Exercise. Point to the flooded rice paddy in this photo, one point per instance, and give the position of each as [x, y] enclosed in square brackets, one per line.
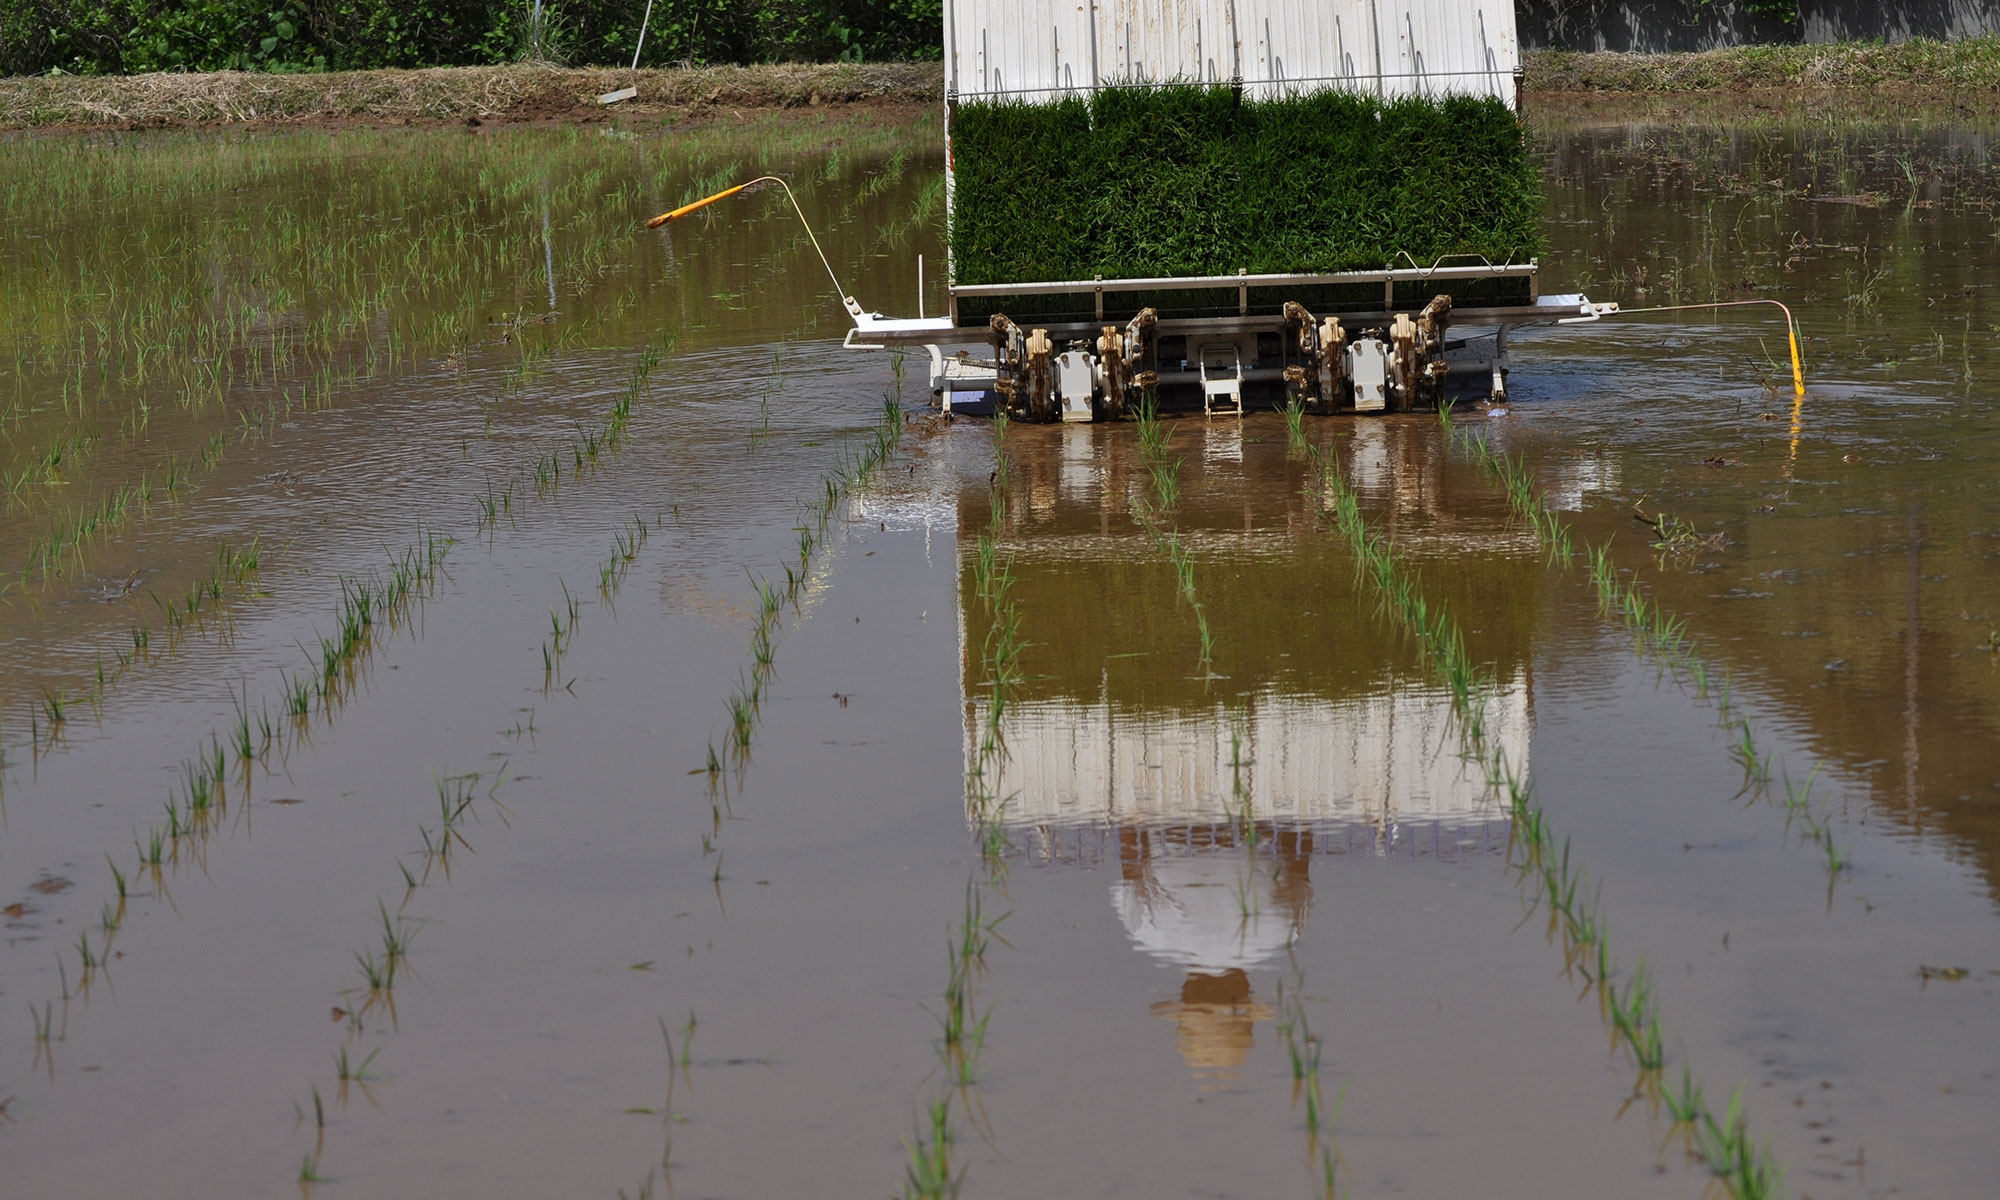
[497, 703]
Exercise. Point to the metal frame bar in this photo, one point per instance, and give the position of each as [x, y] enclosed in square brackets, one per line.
[1276, 82]
[1182, 283]
[1242, 282]
[968, 335]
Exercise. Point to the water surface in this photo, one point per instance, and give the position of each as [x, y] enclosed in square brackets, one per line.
[633, 970]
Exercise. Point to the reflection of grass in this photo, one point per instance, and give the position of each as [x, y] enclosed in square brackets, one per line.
[1661, 635]
[1627, 1002]
[929, 1175]
[1000, 659]
[1861, 297]
[201, 796]
[1519, 484]
[1303, 1049]
[1154, 438]
[309, 1173]
[930, 1171]
[351, 1072]
[746, 702]
[131, 372]
[62, 545]
[230, 569]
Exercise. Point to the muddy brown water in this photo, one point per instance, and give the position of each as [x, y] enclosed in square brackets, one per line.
[627, 960]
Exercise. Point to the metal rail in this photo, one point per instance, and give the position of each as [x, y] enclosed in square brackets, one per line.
[1242, 282]
[1181, 283]
[870, 333]
[1503, 84]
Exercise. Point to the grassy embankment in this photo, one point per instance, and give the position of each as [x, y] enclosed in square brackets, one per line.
[520, 92]
[1960, 68]
[1965, 69]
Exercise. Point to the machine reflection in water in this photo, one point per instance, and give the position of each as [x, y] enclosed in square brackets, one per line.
[1311, 742]
[1215, 819]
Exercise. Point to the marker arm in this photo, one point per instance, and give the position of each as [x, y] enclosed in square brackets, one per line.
[685, 209]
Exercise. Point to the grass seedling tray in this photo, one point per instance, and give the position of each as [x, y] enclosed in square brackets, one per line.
[1190, 180]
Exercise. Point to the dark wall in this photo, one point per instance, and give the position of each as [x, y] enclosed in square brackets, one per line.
[1653, 26]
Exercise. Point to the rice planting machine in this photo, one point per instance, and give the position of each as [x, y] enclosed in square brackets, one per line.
[1367, 341]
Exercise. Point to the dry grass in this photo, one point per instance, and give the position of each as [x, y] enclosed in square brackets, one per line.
[446, 94]
[1963, 68]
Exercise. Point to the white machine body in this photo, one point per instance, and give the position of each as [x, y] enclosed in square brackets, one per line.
[1222, 340]
[1368, 368]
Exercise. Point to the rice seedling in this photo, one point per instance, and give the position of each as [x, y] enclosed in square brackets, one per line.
[380, 973]
[265, 326]
[1685, 1103]
[962, 1029]
[1635, 1016]
[1303, 1051]
[645, 1189]
[1816, 828]
[929, 1174]
[1294, 413]
[741, 721]
[350, 1072]
[396, 934]
[1756, 767]
[1523, 497]
[309, 1172]
[297, 694]
[241, 737]
[64, 542]
[1724, 1144]
[455, 796]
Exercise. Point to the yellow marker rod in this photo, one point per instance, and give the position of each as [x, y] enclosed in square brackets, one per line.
[685, 209]
[1791, 327]
[1791, 335]
[1798, 372]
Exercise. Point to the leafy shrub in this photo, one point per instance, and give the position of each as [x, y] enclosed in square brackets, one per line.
[103, 37]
